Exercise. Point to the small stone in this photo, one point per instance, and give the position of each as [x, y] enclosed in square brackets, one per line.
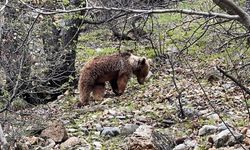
[190, 112]
[22, 146]
[141, 118]
[110, 131]
[190, 143]
[247, 141]
[214, 117]
[244, 130]
[71, 142]
[204, 112]
[72, 130]
[121, 117]
[32, 140]
[128, 129]
[144, 131]
[49, 144]
[207, 129]
[98, 49]
[168, 122]
[98, 127]
[181, 147]
[85, 131]
[98, 145]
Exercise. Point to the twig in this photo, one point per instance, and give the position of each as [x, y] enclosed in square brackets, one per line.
[182, 115]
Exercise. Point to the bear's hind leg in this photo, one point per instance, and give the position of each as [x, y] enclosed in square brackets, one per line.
[98, 91]
[114, 86]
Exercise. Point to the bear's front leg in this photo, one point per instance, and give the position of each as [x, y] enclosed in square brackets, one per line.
[122, 83]
[114, 86]
[98, 91]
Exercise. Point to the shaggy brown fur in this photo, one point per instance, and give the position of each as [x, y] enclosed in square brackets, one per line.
[116, 69]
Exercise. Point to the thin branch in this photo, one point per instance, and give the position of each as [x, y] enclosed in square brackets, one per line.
[247, 90]
[208, 99]
[6, 2]
[15, 89]
[128, 10]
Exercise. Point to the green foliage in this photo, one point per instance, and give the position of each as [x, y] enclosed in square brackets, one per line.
[19, 104]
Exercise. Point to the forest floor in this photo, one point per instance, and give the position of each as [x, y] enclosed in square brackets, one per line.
[155, 104]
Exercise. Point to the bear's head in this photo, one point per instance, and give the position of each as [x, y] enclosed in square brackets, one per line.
[141, 67]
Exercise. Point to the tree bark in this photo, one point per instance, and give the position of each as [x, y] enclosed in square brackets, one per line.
[231, 8]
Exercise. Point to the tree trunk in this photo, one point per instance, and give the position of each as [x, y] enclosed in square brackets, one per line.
[231, 8]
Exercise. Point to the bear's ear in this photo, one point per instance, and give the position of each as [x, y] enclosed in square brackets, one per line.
[142, 61]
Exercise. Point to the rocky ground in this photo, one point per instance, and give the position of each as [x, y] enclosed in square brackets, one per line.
[143, 115]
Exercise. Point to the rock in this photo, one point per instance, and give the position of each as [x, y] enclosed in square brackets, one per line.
[168, 122]
[244, 130]
[188, 144]
[207, 129]
[121, 117]
[49, 144]
[128, 129]
[71, 142]
[225, 138]
[145, 138]
[72, 130]
[141, 118]
[222, 126]
[214, 117]
[32, 140]
[56, 131]
[141, 139]
[144, 131]
[181, 147]
[110, 131]
[98, 127]
[97, 145]
[21, 146]
[247, 141]
[84, 145]
[85, 131]
[190, 112]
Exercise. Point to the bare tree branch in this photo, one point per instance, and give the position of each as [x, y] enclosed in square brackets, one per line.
[6, 2]
[128, 10]
[234, 80]
[231, 8]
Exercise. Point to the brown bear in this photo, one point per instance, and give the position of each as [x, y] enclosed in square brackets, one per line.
[116, 68]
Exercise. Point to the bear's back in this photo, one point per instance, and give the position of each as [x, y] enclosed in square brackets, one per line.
[102, 65]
